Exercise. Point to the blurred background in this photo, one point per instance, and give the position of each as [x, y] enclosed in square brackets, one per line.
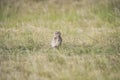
[28, 10]
[91, 39]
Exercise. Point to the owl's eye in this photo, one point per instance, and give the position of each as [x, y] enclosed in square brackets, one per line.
[55, 37]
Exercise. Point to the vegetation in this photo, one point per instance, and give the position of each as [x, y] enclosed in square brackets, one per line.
[91, 39]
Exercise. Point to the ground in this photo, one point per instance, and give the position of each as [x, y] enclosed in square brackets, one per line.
[90, 32]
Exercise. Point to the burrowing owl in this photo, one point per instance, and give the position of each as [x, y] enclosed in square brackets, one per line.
[57, 40]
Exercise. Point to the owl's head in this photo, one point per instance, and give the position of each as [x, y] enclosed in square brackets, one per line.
[57, 33]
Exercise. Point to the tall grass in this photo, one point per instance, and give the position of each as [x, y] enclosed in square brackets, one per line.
[91, 41]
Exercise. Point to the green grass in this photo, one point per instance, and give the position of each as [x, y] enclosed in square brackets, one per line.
[91, 40]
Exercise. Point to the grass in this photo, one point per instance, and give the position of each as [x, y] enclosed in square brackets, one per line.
[91, 41]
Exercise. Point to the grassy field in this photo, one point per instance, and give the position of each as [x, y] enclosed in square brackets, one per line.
[91, 39]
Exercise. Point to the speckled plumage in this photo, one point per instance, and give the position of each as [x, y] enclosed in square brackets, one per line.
[57, 40]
